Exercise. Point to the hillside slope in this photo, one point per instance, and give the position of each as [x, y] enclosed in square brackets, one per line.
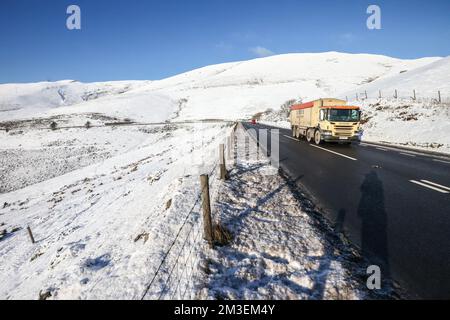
[239, 90]
[32, 99]
[423, 122]
[426, 80]
[225, 91]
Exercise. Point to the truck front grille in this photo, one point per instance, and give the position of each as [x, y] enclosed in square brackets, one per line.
[343, 134]
[343, 131]
[343, 127]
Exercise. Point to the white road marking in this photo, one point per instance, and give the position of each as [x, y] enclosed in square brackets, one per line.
[407, 154]
[404, 152]
[290, 137]
[441, 161]
[337, 153]
[428, 186]
[382, 149]
[436, 184]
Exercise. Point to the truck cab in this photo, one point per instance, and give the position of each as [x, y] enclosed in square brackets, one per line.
[339, 124]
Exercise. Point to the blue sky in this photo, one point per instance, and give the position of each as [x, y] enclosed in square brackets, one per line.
[149, 39]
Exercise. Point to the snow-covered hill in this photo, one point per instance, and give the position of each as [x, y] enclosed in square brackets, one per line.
[239, 90]
[225, 91]
[426, 80]
[33, 99]
[423, 122]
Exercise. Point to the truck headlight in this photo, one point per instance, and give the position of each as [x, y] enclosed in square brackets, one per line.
[326, 133]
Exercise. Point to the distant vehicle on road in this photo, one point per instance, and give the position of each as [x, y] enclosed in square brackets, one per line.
[253, 121]
[329, 120]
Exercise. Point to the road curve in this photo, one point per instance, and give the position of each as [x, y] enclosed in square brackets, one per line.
[393, 204]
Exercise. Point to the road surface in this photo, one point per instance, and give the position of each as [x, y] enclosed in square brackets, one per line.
[391, 203]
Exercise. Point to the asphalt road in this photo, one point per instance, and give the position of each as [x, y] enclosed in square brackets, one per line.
[391, 203]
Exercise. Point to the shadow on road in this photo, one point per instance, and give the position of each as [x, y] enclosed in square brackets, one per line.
[372, 212]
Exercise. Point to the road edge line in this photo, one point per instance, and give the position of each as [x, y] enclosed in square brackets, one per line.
[334, 152]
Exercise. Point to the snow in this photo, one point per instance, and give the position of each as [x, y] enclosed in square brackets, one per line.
[281, 248]
[421, 125]
[230, 91]
[239, 90]
[86, 221]
[21, 101]
[426, 80]
[96, 199]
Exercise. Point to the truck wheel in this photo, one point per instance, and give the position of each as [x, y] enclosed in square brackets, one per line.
[309, 135]
[317, 137]
[296, 133]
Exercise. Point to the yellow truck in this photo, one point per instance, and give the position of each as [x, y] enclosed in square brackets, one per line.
[329, 120]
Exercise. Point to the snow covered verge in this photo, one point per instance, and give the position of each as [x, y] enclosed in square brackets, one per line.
[281, 247]
[423, 124]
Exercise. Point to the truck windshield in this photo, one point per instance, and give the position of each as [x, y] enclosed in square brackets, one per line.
[349, 115]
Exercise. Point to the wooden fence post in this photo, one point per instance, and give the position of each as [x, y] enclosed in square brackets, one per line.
[365, 93]
[439, 95]
[206, 206]
[414, 95]
[30, 234]
[379, 94]
[223, 169]
[395, 94]
[229, 146]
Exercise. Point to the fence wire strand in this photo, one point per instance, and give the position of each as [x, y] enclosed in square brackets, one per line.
[177, 279]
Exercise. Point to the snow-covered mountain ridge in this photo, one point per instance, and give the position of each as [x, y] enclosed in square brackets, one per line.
[239, 90]
[227, 91]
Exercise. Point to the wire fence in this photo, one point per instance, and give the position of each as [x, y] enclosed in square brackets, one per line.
[175, 277]
[439, 97]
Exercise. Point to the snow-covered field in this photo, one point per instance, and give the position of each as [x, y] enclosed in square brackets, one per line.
[105, 202]
[101, 230]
